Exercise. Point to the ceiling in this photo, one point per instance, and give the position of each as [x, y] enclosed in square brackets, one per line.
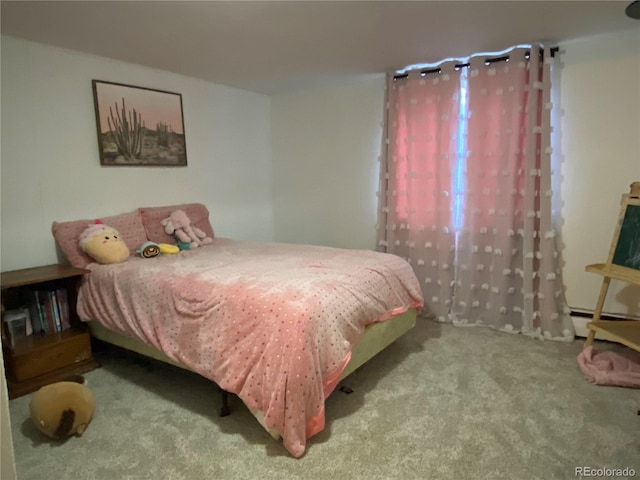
[272, 46]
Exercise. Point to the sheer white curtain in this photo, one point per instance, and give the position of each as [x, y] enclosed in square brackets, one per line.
[465, 192]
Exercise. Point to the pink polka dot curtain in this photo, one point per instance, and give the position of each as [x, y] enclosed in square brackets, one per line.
[465, 192]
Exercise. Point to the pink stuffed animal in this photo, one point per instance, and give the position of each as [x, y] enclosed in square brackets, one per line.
[179, 225]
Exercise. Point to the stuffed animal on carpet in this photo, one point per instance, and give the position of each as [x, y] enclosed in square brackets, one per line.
[179, 225]
[62, 409]
[103, 243]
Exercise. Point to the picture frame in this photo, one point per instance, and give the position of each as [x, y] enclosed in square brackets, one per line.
[139, 126]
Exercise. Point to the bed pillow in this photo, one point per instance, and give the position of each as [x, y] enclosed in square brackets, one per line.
[67, 235]
[151, 216]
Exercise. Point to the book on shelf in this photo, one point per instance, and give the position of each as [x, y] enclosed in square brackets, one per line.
[34, 313]
[49, 310]
[63, 300]
[53, 299]
[42, 316]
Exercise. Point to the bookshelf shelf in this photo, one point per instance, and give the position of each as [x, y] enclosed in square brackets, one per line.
[39, 359]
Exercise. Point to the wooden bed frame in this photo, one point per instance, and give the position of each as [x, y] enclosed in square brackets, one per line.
[376, 338]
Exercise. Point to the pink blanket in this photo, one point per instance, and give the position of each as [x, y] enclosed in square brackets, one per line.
[271, 323]
[610, 368]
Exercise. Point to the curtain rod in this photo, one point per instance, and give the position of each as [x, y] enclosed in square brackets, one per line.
[489, 61]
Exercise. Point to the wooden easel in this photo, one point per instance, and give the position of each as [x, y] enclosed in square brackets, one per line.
[621, 265]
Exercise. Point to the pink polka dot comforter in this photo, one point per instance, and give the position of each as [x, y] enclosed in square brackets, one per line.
[272, 323]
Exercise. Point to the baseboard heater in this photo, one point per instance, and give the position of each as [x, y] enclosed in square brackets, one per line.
[580, 319]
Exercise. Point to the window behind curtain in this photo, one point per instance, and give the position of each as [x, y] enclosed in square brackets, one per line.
[465, 192]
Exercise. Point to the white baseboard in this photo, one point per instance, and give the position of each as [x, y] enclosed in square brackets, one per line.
[580, 325]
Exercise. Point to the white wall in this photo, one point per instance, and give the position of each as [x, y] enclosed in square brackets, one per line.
[600, 102]
[50, 163]
[326, 144]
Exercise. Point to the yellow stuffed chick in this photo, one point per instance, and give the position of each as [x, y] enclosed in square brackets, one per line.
[104, 244]
[62, 409]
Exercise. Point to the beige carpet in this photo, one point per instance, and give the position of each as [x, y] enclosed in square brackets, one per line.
[440, 403]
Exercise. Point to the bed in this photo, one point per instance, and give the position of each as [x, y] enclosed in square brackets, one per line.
[278, 325]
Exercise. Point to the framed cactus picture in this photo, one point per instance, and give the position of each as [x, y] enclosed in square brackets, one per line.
[139, 126]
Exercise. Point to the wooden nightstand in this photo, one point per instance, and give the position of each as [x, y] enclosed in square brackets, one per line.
[39, 359]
